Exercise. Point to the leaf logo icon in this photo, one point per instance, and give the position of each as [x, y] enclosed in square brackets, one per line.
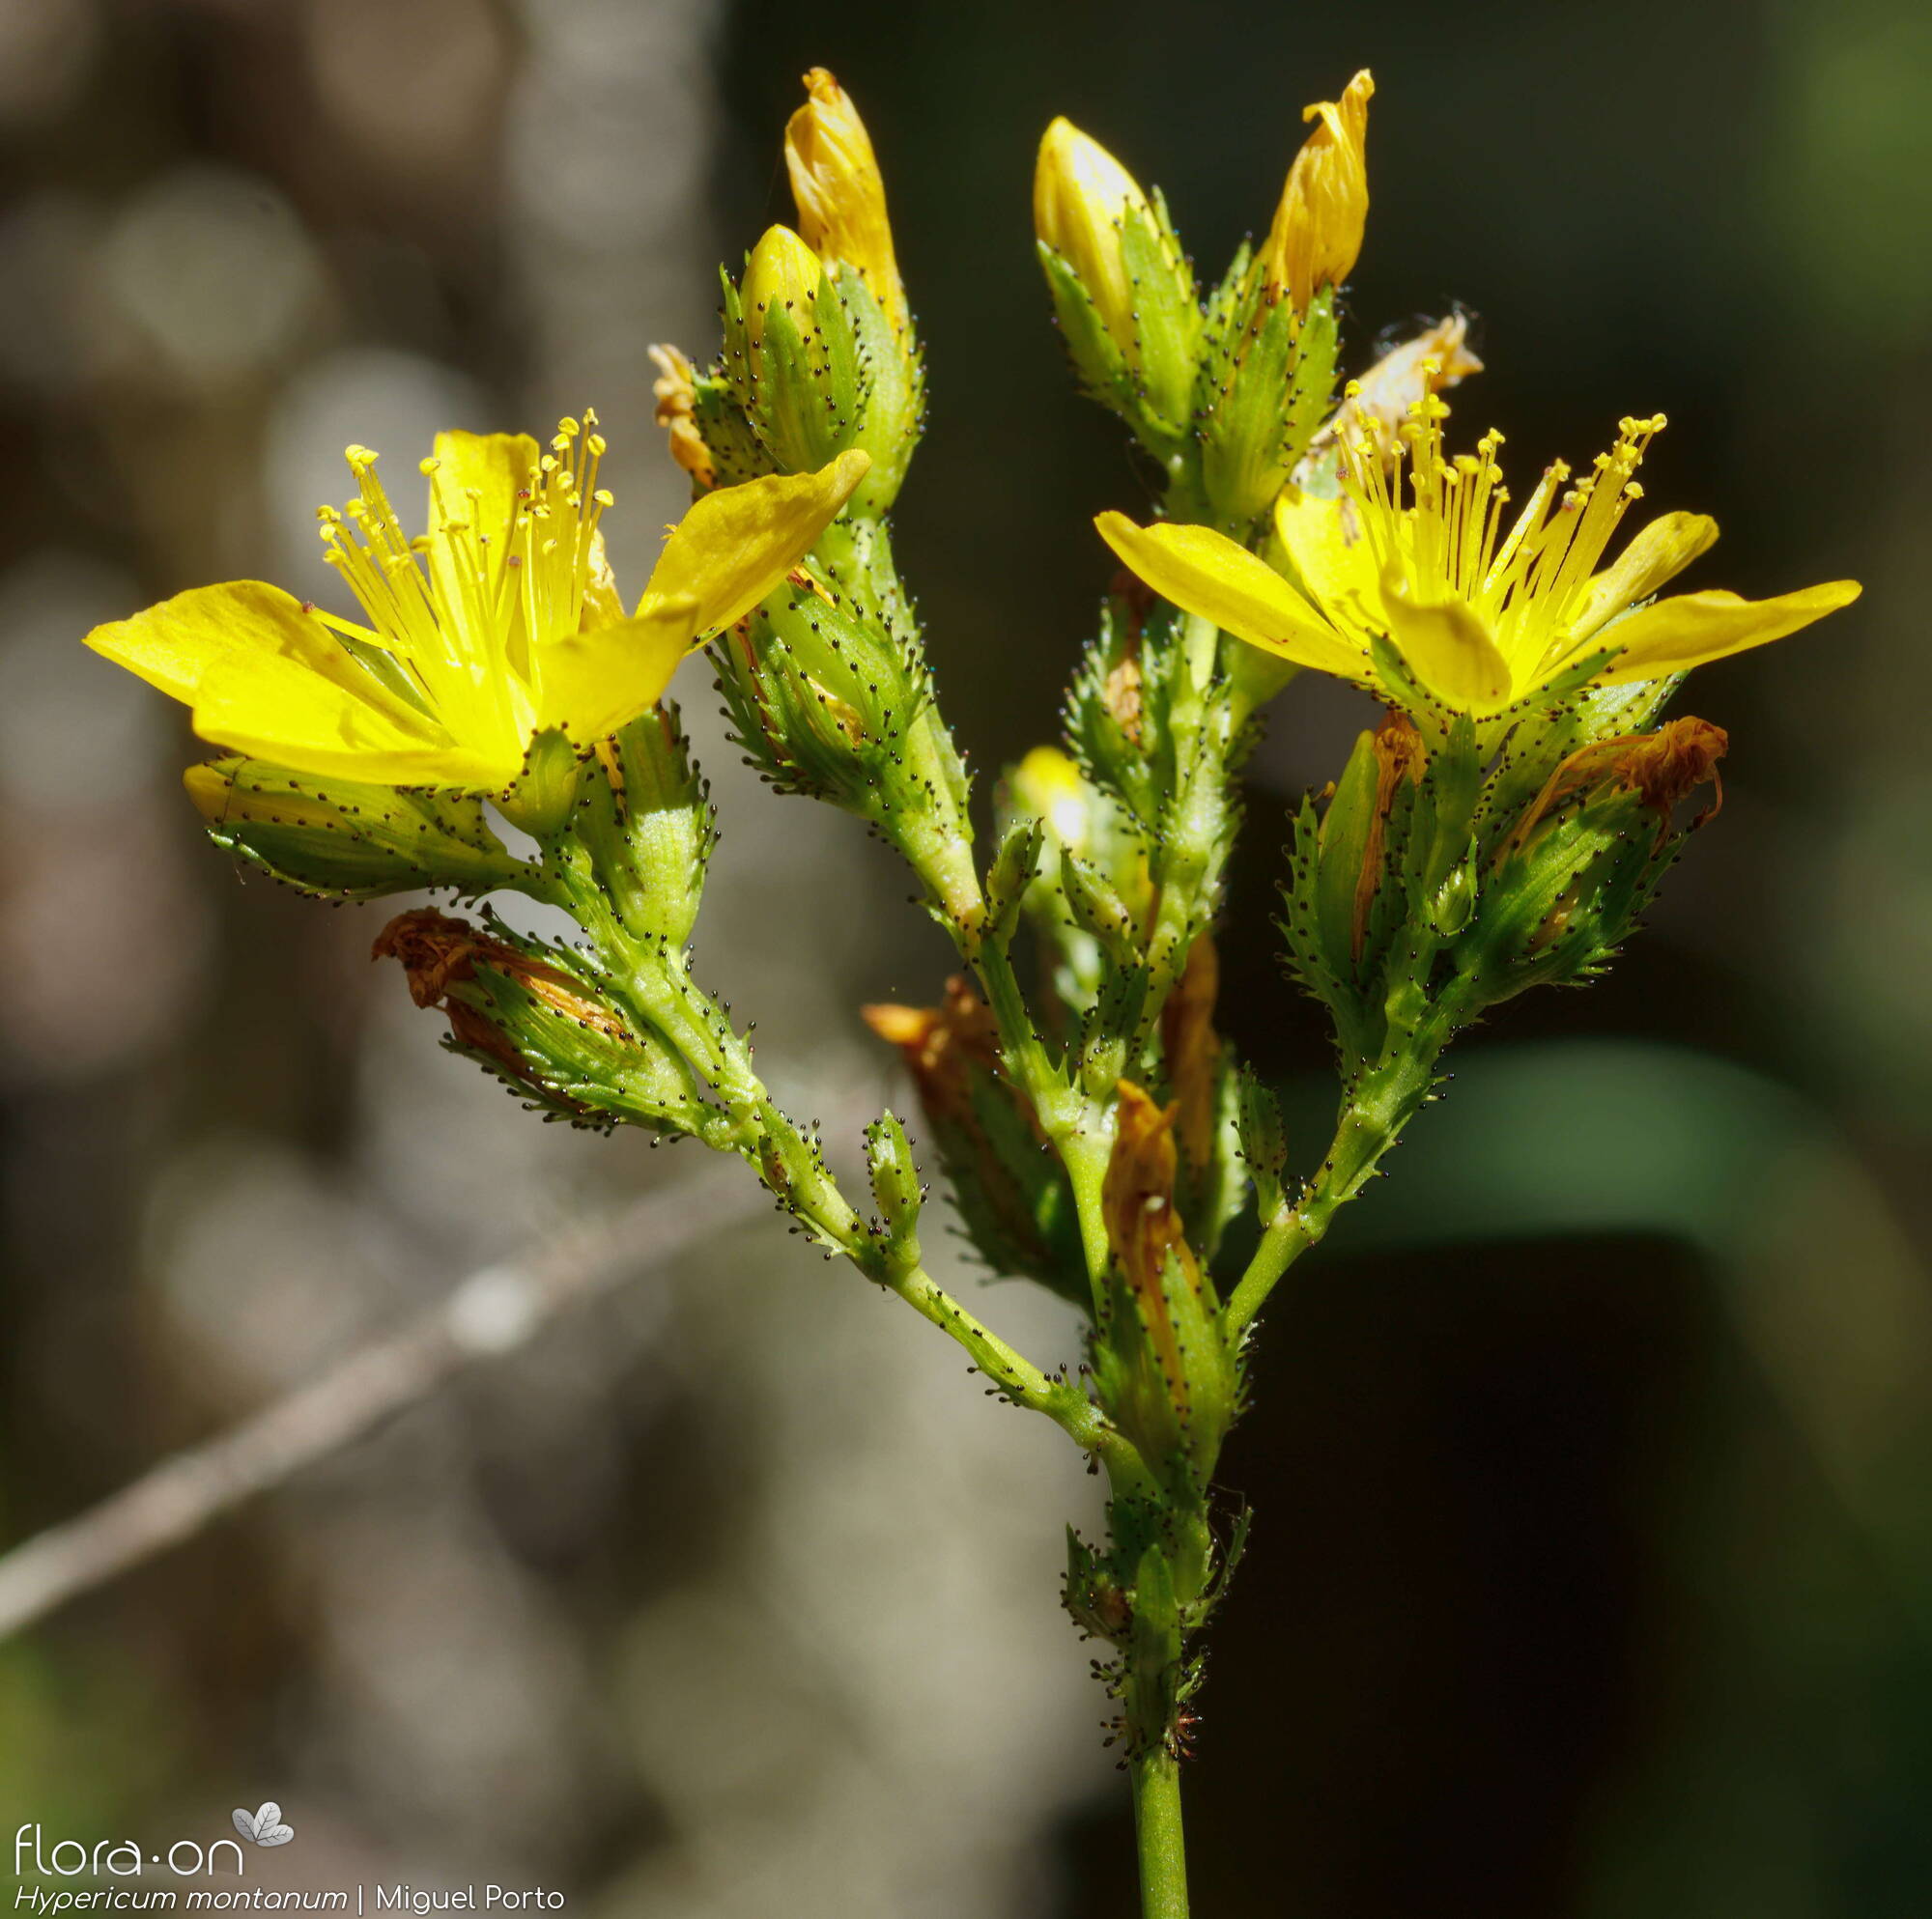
[263, 1825]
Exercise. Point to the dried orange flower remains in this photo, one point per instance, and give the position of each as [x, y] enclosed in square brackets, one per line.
[1501, 826]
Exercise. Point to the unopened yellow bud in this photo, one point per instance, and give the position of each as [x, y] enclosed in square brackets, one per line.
[1048, 784]
[1080, 195]
[783, 277]
[842, 198]
[1317, 235]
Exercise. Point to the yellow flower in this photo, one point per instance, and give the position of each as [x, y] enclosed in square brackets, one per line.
[842, 198]
[499, 624]
[1081, 193]
[1485, 614]
[1317, 235]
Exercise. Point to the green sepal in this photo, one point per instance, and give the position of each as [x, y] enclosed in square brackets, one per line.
[722, 399]
[885, 373]
[646, 819]
[1342, 846]
[1098, 360]
[1357, 1020]
[1096, 908]
[539, 800]
[1211, 1195]
[897, 1193]
[1264, 386]
[803, 412]
[1013, 870]
[1263, 1143]
[1167, 1375]
[342, 839]
[1167, 324]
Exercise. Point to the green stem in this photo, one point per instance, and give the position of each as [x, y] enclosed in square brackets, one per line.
[1065, 1404]
[1385, 1098]
[1163, 1851]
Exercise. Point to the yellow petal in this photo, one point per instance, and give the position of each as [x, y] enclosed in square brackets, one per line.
[736, 543]
[476, 479]
[1329, 556]
[1658, 555]
[602, 606]
[264, 677]
[592, 683]
[1206, 573]
[190, 642]
[276, 708]
[1447, 646]
[1694, 629]
[494, 466]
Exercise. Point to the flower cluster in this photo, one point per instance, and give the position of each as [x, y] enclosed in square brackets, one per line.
[1499, 827]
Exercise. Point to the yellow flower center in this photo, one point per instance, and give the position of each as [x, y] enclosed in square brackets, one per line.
[1437, 527]
[455, 614]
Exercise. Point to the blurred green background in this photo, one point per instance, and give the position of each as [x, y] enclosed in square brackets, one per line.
[1593, 1459]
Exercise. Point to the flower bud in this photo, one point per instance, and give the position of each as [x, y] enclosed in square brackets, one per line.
[644, 819]
[811, 372]
[1317, 235]
[341, 839]
[781, 276]
[1354, 848]
[840, 196]
[1122, 289]
[1080, 197]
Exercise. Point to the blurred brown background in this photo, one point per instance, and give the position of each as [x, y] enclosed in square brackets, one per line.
[1593, 1572]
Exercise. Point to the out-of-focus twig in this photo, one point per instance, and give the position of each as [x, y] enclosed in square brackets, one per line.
[495, 1311]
